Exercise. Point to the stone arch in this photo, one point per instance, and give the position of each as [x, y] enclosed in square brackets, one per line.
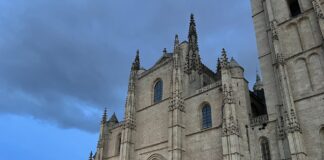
[316, 71]
[156, 157]
[306, 33]
[265, 148]
[301, 77]
[292, 40]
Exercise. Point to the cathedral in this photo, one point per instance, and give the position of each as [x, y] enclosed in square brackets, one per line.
[179, 109]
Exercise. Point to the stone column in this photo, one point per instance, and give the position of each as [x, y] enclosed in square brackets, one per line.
[230, 126]
[176, 108]
[127, 144]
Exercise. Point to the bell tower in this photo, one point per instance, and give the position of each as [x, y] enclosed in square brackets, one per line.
[289, 37]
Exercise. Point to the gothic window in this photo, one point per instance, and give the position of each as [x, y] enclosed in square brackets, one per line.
[158, 91]
[294, 7]
[265, 150]
[206, 116]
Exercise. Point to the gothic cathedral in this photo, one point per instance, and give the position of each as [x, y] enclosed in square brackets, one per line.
[179, 109]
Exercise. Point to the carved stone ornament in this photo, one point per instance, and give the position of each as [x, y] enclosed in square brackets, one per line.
[280, 58]
[228, 94]
[176, 103]
[129, 122]
[318, 9]
[232, 128]
[273, 27]
[292, 123]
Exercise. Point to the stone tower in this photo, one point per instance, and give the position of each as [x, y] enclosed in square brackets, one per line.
[289, 37]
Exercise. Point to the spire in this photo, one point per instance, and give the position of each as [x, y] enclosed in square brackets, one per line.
[193, 58]
[104, 116]
[223, 59]
[192, 36]
[176, 40]
[136, 64]
[91, 156]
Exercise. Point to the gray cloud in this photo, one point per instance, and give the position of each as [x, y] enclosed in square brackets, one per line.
[62, 62]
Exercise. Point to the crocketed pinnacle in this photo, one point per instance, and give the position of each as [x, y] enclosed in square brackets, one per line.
[192, 35]
[104, 116]
[91, 156]
[223, 59]
[218, 65]
[176, 40]
[193, 62]
[136, 64]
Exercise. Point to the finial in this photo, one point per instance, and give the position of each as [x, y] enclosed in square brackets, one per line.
[104, 117]
[91, 156]
[136, 64]
[164, 51]
[192, 18]
[176, 40]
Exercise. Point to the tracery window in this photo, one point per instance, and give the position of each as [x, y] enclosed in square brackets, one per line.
[265, 150]
[158, 91]
[206, 116]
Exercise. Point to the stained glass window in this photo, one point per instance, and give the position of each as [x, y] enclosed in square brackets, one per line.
[158, 91]
[206, 117]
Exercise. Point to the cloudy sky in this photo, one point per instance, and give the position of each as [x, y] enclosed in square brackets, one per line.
[62, 62]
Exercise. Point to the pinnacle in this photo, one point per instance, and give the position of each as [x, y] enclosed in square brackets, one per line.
[104, 116]
[136, 63]
[90, 156]
[164, 51]
[176, 40]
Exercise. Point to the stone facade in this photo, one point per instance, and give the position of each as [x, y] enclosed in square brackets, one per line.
[290, 44]
[281, 119]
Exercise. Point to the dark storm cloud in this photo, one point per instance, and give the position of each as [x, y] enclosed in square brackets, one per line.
[63, 61]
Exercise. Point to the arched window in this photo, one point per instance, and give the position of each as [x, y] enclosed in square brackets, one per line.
[265, 150]
[206, 116]
[118, 144]
[158, 91]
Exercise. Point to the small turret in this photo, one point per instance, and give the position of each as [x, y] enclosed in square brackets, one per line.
[113, 119]
[236, 69]
[258, 87]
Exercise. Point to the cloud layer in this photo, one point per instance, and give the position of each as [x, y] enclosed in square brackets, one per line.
[64, 61]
